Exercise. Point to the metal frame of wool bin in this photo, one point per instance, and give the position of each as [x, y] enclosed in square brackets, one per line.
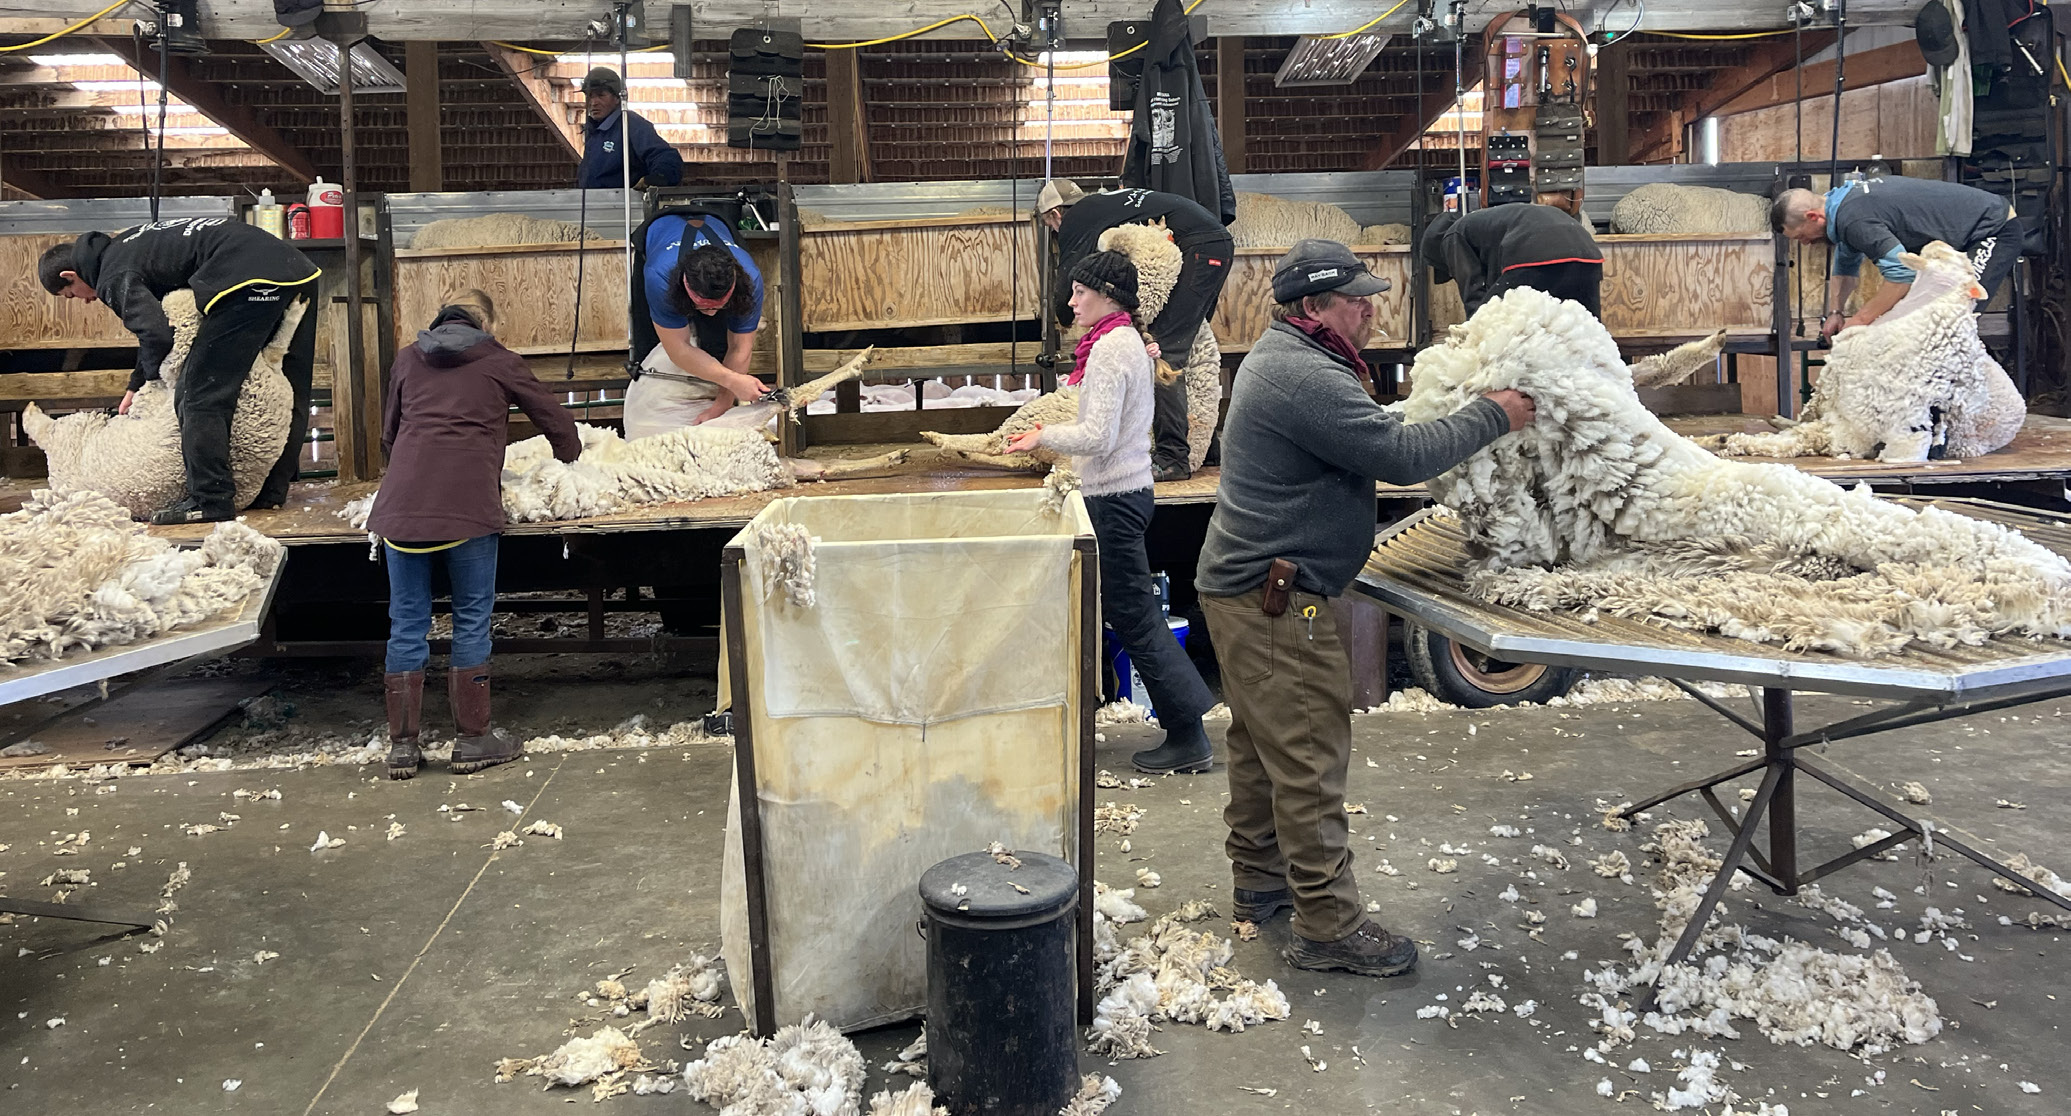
[1414, 572]
[761, 977]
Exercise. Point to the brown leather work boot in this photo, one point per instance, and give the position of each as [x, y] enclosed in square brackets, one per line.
[478, 744]
[1369, 951]
[404, 691]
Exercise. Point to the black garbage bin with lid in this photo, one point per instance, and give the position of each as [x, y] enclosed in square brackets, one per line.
[1001, 1034]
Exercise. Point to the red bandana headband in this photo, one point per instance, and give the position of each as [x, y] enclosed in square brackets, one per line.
[703, 303]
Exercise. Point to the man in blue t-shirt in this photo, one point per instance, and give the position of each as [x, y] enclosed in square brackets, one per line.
[700, 301]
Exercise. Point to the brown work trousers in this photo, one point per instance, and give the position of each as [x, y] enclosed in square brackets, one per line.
[1289, 689]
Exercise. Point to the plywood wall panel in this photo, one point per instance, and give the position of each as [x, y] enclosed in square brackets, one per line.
[865, 275]
[33, 318]
[1670, 285]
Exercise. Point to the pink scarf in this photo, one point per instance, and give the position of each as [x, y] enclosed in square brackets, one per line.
[1100, 329]
[1335, 342]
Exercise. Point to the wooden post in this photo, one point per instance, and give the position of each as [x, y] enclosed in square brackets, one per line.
[791, 307]
[421, 103]
[1229, 99]
[1613, 117]
[848, 125]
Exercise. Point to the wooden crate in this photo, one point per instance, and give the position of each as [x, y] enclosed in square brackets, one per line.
[1669, 286]
[920, 272]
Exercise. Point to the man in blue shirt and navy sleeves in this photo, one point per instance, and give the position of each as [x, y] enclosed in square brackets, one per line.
[1875, 219]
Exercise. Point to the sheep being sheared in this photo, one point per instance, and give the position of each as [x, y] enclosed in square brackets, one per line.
[1914, 379]
[134, 459]
[1599, 506]
[1157, 262]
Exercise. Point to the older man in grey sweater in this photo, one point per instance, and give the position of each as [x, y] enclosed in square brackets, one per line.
[1294, 520]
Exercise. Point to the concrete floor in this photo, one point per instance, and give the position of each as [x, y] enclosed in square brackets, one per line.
[418, 962]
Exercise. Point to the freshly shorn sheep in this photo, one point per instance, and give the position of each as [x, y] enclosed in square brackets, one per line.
[1914, 379]
[1157, 265]
[1664, 207]
[1599, 506]
[134, 459]
[79, 575]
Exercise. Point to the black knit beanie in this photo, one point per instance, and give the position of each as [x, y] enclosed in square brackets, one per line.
[1110, 273]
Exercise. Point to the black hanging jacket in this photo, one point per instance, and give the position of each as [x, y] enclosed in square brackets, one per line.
[1173, 144]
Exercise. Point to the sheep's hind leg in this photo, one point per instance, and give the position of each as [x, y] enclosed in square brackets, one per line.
[807, 469]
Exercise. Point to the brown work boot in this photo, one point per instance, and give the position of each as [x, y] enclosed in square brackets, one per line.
[1369, 951]
[404, 691]
[478, 745]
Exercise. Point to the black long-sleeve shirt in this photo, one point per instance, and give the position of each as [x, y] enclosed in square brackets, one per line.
[136, 268]
[1475, 250]
[1079, 236]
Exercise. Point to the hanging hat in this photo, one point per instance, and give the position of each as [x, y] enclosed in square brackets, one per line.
[297, 13]
[1058, 192]
[1109, 273]
[607, 79]
[1936, 32]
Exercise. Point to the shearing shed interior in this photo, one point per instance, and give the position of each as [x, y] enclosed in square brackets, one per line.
[1144, 557]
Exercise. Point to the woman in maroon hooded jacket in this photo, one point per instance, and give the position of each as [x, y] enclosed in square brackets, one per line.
[444, 430]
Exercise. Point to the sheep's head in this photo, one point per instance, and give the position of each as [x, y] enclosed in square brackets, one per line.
[1157, 262]
[1939, 272]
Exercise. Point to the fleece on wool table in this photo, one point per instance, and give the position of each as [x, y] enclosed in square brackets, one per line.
[134, 459]
[1599, 506]
[1912, 380]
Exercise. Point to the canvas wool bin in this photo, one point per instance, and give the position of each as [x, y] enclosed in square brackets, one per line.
[911, 677]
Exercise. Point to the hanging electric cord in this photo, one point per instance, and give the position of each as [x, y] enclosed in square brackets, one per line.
[284, 33]
[1637, 17]
[909, 34]
[56, 35]
[582, 235]
[1717, 38]
[136, 33]
[158, 164]
[1356, 30]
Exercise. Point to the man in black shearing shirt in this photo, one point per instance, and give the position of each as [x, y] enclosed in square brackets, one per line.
[1490, 251]
[243, 280]
[1205, 254]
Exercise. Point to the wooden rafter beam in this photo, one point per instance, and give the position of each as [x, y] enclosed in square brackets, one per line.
[421, 108]
[1870, 67]
[1765, 60]
[207, 99]
[1433, 106]
[524, 72]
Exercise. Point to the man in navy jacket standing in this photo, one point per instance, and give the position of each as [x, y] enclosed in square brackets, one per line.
[610, 123]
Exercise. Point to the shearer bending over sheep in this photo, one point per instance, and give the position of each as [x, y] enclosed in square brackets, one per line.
[1111, 453]
[1206, 250]
[1490, 251]
[243, 281]
[1878, 218]
[697, 305]
[1293, 524]
[443, 431]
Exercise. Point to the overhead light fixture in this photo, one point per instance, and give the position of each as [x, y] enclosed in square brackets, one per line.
[316, 62]
[1315, 61]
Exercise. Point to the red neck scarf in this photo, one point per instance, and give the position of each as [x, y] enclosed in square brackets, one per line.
[1100, 329]
[1335, 342]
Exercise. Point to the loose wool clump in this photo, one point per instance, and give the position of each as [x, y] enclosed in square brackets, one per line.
[1598, 506]
[1680, 363]
[1171, 974]
[80, 574]
[1664, 207]
[1915, 379]
[805, 1069]
[134, 459]
[495, 229]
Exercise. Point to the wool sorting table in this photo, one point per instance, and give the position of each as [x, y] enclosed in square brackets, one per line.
[150, 657]
[1418, 570]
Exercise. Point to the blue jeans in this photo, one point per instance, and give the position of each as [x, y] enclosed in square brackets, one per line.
[471, 567]
[1129, 601]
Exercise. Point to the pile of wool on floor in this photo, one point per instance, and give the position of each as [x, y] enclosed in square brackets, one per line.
[80, 574]
[1598, 507]
[1168, 974]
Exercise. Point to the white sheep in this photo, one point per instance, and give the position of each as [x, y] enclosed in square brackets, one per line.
[1916, 378]
[1598, 505]
[134, 459]
[80, 574]
[495, 229]
[1664, 207]
[1265, 221]
[1158, 264]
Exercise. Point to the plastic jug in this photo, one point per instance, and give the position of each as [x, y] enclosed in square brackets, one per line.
[326, 210]
[269, 215]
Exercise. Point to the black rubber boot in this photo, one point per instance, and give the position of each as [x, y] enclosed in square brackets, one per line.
[186, 510]
[405, 693]
[479, 745]
[1369, 951]
[1259, 906]
[1186, 751]
[1171, 472]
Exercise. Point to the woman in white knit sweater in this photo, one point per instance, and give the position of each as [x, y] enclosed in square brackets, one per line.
[1110, 447]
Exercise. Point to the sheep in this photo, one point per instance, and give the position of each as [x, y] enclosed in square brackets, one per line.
[1157, 272]
[1664, 207]
[496, 229]
[1916, 378]
[134, 459]
[1680, 363]
[1265, 221]
[80, 574]
[1598, 505]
